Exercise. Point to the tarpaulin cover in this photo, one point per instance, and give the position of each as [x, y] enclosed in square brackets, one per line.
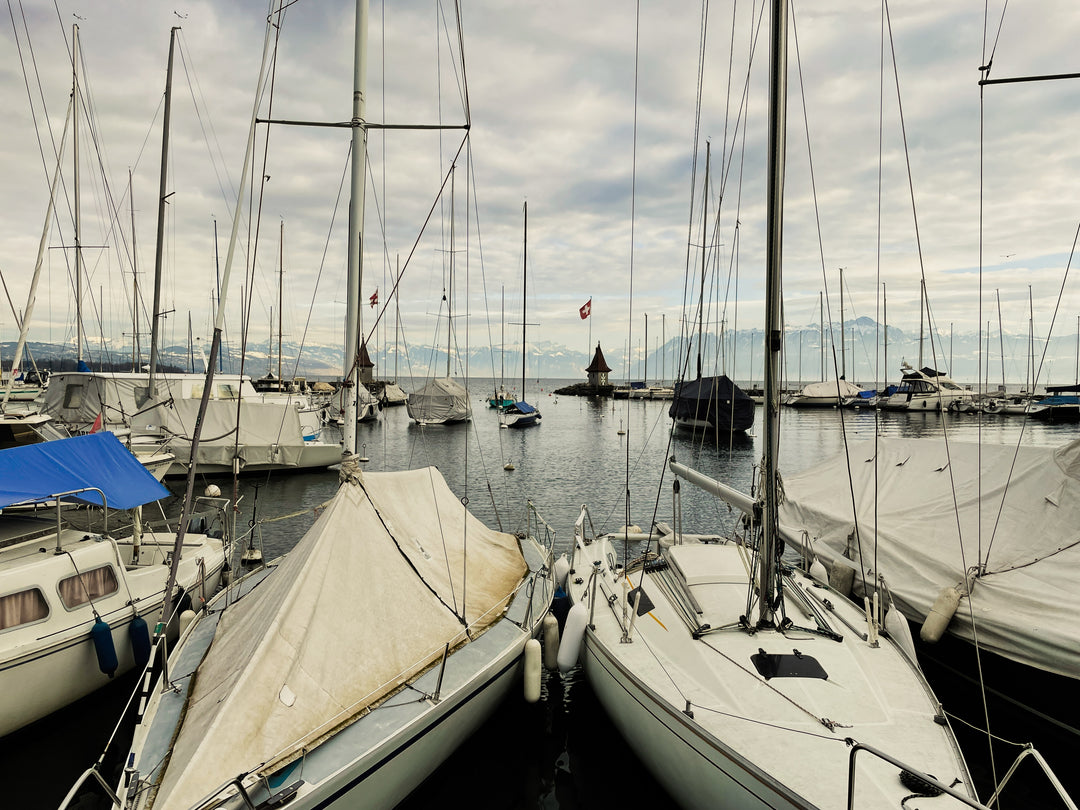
[369, 598]
[928, 516]
[440, 400]
[715, 399]
[35, 472]
[524, 407]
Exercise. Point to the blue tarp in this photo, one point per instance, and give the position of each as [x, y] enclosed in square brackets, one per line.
[35, 472]
[524, 407]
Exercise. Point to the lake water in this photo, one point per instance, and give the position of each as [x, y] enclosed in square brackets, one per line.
[561, 752]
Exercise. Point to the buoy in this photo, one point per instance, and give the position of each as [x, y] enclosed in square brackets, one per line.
[841, 578]
[101, 634]
[940, 614]
[551, 642]
[570, 646]
[899, 631]
[139, 635]
[561, 570]
[509, 466]
[186, 618]
[532, 670]
[818, 572]
[212, 491]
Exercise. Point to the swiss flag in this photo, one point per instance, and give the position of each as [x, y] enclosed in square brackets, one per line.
[586, 309]
[374, 297]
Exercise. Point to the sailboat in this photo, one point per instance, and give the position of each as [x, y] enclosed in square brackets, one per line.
[713, 406]
[345, 673]
[500, 398]
[521, 414]
[157, 409]
[443, 400]
[736, 679]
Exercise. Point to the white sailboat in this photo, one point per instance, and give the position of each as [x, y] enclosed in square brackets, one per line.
[521, 414]
[443, 400]
[737, 680]
[345, 673]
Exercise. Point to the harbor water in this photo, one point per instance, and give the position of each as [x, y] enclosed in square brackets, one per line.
[561, 752]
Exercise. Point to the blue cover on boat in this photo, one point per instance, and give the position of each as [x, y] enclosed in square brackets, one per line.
[35, 472]
[524, 407]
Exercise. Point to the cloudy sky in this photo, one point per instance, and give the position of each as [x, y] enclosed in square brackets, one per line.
[551, 90]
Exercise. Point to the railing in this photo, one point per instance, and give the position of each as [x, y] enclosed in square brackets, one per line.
[1029, 751]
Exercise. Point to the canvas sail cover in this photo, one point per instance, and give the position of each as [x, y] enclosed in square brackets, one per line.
[441, 400]
[828, 389]
[714, 399]
[1027, 509]
[268, 433]
[366, 600]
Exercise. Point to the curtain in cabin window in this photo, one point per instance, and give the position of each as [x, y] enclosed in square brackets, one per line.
[81, 588]
[22, 608]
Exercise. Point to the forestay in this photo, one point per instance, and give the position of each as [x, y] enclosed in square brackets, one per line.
[368, 598]
[1028, 514]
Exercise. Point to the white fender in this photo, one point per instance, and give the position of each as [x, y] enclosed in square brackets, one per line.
[532, 670]
[561, 570]
[573, 634]
[551, 642]
[186, 618]
[899, 631]
[940, 614]
[818, 572]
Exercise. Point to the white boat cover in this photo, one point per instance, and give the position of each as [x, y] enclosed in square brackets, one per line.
[367, 599]
[442, 399]
[828, 388]
[269, 433]
[1020, 517]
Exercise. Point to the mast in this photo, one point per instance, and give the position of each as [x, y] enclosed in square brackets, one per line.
[775, 226]
[450, 291]
[1001, 345]
[78, 212]
[524, 295]
[135, 349]
[356, 226]
[821, 331]
[645, 372]
[922, 304]
[280, 283]
[704, 236]
[162, 197]
[843, 341]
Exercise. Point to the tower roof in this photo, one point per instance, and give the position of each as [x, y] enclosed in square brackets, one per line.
[598, 364]
[365, 358]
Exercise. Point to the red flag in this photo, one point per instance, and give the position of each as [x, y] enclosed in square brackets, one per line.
[97, 424]
[374, 297]
[585, 310]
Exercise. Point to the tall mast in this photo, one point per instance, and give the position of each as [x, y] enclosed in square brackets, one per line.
[356, 226]
[450, 291]
[78, 213]
[524, 295]
[704, 237]
[843, 340]
[155, 315]
[775, 228]
[135, 349]
[280, 284]
[922, 304]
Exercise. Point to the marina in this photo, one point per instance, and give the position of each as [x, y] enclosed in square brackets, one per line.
[564, 747]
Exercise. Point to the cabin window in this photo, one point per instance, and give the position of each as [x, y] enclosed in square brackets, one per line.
[24, 607]
[142, 395]
[93, 584]
[73, 396]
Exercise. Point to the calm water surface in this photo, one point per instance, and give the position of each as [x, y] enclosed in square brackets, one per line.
[561, 752]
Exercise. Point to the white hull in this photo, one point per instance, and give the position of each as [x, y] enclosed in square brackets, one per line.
[45, 667]
[758, 741]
